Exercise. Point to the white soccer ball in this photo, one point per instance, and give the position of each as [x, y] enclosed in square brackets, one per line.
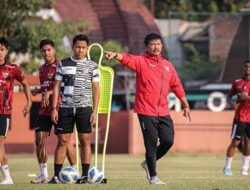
[68, 175]
[95, 175]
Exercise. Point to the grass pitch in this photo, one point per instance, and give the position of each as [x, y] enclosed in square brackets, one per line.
[180, 172]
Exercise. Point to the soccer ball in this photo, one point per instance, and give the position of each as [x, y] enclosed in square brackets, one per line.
[68, 175]
[95, 175]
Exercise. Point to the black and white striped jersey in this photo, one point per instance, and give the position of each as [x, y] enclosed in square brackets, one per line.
[76, 78]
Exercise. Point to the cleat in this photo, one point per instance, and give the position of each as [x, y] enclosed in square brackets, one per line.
[83, 180]
[145, 167]
[227, 171]
[54, 180]
[156, 181]
[6, 181]
[40, 180]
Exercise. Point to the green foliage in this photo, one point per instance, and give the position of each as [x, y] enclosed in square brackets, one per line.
[197, 66]
[110, 45]
[14, 12]
[163, 7]
[28, 37]
[25, 31]
[29, 67]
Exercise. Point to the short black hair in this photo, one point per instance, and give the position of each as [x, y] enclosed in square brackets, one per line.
[4, 41]
[247, 61]
[81, 37]
[152, 36]
[46, 42]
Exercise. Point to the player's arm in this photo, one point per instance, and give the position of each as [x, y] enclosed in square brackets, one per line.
[178, 90]
[56, 91]
[131, 61]
[36, 91]
[230, 95]
[110, 55]
[26, 88]
[244, 96]
[45, 98]
[96, 96]
[186, 108]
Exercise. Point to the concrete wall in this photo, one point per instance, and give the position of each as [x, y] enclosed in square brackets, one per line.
[208, 131]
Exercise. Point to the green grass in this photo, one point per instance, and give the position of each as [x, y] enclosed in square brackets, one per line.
[180, 172]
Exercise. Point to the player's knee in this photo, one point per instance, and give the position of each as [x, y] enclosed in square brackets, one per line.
[167, 142]
[40, 142]
[62, 142]
[235, 143]
[85, 143]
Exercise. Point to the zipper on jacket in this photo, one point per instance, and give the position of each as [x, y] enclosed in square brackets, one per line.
[160, 88]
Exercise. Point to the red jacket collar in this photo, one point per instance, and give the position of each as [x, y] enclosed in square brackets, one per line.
[154, 58]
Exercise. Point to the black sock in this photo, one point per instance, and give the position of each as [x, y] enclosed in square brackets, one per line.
[57, 169]
[85, 169]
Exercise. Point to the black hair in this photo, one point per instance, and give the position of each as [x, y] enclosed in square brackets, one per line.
[152, 36]
[247, 61]
[46, 42]
[4, 41]
[81, 37]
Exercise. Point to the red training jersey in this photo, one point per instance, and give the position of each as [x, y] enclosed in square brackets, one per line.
[155, 77]
[243, 111]
[47, 74]
[8, 72]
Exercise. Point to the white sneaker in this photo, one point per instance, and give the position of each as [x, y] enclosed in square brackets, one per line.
[40, 180]
[145, 167]
[156, 181]
[244, 172]
[6, 181]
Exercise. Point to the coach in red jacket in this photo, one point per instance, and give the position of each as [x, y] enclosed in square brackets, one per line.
[155, 78]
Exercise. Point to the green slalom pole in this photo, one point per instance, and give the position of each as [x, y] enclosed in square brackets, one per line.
[77, 149]
[104, 107]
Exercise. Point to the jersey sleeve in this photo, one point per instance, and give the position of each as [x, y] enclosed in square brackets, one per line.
[18, 74]
[131, 61]
[233, 91]
[59, 73]
[176, 85]
[95, 74]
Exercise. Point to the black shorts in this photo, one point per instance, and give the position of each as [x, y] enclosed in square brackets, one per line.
[68, 117]
[43, 123]
[4, 125]
[240, 129]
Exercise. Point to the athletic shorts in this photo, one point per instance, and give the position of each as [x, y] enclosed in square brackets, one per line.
[43, 123]
[4, 125]
[240, 129]
[68, 117]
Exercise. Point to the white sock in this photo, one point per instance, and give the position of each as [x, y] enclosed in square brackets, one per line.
[44, 169]
[228, 162]
[74, 165]
[5, 171]
[245, 163]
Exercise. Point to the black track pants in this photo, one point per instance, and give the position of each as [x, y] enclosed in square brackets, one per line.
[154, 128]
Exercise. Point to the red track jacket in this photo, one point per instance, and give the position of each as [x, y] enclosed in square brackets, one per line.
[155, 76]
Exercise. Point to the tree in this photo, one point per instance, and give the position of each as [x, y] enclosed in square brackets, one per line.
[110, 45]
[19, 24]
[197, 66]
[163, 7]
[28, 37]
[14, 13]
